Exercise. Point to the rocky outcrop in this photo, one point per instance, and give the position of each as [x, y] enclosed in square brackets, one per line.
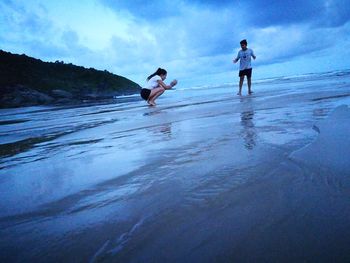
[22, 96]
[26, 81]
[58, 93]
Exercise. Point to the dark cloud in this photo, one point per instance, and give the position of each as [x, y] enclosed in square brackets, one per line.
[209, 35]
[18, 18]
[198, 36]
[32, 33]
[336, 13]
[148, 10]
[272, 12]
[156, 10]
[226, 4]
[253, 12]
[265, 13]
[317, 12]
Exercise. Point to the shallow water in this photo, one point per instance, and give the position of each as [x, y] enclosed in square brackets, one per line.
[204, 176]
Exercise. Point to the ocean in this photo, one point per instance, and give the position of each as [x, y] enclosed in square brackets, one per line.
[204, 176]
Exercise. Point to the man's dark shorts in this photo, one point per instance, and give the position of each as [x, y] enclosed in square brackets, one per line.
[145, 93]
[245, 72]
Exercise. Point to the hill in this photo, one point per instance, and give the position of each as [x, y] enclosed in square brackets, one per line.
[28, 81]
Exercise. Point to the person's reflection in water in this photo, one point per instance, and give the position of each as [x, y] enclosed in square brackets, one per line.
[248, 131]
[164, 130]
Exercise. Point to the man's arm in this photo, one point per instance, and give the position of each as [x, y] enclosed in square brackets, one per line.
[253, 55]
[236, 59]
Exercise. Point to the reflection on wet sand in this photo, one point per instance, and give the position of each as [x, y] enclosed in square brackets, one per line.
[164, 130]
[206, 176]
[248, 128]
[248, 131]
[152, 112]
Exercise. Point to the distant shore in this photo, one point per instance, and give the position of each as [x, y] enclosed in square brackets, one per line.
[26, 81]
[21, 96]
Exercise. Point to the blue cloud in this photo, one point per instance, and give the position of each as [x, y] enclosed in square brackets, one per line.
[318, 12]
[198, 36]
[336, 13]
[254, 12]
[149, 10]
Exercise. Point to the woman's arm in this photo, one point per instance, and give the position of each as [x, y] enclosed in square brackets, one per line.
[163, 85]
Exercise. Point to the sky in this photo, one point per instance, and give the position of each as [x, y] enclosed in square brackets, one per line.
[195, 41]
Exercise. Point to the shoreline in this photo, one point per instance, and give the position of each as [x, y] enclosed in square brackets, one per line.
[203, 176]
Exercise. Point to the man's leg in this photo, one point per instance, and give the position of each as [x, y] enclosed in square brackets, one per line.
[249, 81]
[241, 80]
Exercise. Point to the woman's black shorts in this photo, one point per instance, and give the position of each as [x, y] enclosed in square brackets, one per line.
[247, 72]
[145, 93]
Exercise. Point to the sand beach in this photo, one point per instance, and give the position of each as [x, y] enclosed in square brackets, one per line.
[205, 176]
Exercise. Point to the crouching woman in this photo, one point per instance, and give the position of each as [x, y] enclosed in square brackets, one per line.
[155, 86]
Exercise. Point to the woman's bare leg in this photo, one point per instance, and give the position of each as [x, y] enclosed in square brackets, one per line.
[155, 93]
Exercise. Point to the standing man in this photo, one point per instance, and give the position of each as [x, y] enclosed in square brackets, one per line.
[245, 67]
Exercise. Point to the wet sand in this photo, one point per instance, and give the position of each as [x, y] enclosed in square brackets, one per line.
[205, 176]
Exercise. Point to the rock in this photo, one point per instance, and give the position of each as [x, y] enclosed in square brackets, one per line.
[58, 93]
[22, 96]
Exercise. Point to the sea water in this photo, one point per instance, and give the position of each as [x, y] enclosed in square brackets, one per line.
[204, 176]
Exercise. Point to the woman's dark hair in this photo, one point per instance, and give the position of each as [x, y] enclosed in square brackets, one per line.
[159, 72]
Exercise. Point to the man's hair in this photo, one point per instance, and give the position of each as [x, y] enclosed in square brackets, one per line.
[243, 42]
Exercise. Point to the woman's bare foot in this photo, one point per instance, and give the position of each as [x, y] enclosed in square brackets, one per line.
[239, 94]
[151, 103]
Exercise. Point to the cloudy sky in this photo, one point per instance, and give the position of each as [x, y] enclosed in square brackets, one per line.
[195, 40]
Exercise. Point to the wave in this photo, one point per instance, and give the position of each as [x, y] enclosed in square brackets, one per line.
[291, 78]
[127, 96]
[305, 76]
